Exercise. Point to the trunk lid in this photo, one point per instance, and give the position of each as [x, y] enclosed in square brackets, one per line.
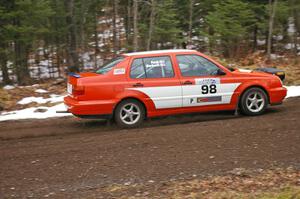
[74, 86]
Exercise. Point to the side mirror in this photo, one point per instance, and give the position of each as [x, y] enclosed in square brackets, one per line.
[220, 72]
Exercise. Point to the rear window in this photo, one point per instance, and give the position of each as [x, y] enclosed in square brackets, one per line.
[109, 65]
[152, 67]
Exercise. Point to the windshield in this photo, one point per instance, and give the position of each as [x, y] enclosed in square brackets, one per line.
[109, 65]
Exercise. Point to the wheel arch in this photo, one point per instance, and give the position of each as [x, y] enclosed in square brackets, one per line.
[254, 86]
[131, 98]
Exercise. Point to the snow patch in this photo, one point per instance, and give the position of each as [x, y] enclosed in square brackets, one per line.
[293, 91]
[275, 56]
[40, 100]
[278, 37]
[261, 42]
[8, 87]
[41, 91]
[35, 113]
[28, 100]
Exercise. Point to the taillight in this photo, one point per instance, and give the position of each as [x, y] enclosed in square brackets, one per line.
[78, 90]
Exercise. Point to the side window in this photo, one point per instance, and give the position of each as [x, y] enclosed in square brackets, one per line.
[137, 69]
[158, 67]
[152, 67]
[195, 65]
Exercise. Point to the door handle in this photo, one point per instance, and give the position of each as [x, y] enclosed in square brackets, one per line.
[138, 85]
[187, 83]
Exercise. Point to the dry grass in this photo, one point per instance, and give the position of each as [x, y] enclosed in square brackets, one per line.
[9, 98]
[271, 184]
[281, 193]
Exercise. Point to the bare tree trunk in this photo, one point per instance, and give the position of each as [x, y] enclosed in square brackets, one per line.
[135, 25]
[58, 56]
[151, 25]
[3, 64]
[57, 42]
[96, 38]
[20, 59]
[115, 16]
[73, 63]
[21, 52]
[191, 12]
[272, 12]
[82, 28]
[5, 74]
[296, 17]
[4, 54]
[22, 72]
[58, 61]
[128, 25]
[254, 39]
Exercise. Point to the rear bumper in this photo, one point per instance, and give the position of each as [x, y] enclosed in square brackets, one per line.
[92, 107]
[277, 95]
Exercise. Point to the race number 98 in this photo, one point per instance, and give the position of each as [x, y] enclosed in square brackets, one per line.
[206, 89]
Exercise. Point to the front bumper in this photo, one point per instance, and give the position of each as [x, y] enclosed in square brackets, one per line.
[90, 107]
[277, 95]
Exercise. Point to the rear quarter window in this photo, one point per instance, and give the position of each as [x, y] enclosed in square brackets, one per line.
[109, 65]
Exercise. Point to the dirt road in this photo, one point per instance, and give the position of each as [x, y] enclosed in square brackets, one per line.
[69, 157]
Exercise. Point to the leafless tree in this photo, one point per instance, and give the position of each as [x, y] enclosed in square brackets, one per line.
[152, 3]
[272, 7]
[135, 25]
[73, 63]
[191, 12]
[115, 29]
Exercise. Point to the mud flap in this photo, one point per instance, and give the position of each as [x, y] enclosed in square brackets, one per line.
[236, 110]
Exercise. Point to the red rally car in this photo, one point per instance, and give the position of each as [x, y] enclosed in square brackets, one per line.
[135, 86]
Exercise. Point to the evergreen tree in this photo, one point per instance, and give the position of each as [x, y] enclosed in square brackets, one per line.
[4, 52]
[166, 31]
[26, 20]
[67, 29]
[230, 23]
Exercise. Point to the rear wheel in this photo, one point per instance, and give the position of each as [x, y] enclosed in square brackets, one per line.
[129, 113]
[254, 101]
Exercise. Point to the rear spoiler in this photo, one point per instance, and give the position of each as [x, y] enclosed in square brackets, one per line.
[74, 75]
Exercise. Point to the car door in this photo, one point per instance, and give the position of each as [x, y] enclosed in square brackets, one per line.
[156, 78]
[203, 82]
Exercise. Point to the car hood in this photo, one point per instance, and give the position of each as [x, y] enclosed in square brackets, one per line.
[245, 72]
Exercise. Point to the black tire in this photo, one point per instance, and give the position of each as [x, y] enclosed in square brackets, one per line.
[126, 122]
[248, 98]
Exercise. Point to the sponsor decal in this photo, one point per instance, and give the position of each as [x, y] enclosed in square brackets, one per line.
[156, 63]
[209, 99]
[207, 81]
[119, 71]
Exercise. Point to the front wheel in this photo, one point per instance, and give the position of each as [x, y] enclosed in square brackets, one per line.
[254, 101]
[129, 113]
